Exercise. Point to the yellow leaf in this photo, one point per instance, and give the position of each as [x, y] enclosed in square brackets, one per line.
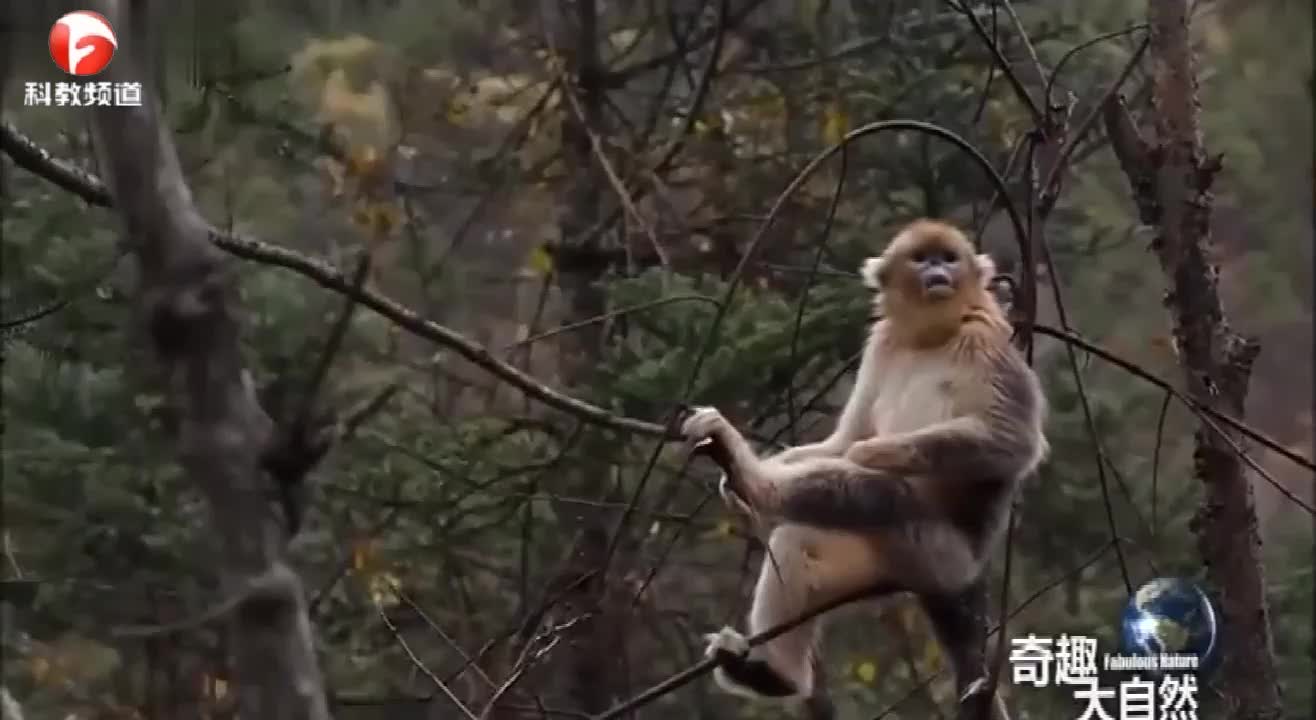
[457, 111]
[866, 671]
[724, 527]
[836, 123]
[540, 261]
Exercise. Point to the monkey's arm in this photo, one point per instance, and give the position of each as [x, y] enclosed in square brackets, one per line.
[963, 464]
[836, 493]
[911, 451]
[833, 446]
[1000, 436]
[828, 492]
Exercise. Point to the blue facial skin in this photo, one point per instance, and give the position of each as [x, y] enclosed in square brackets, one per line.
[936, 271]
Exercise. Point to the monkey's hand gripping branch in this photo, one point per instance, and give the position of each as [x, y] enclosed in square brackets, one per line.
[709, 434]
[823, 492]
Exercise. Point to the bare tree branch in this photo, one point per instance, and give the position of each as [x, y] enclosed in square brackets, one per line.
[415, 661]
[29, 155]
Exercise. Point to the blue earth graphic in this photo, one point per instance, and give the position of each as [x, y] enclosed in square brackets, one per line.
[1170, 615]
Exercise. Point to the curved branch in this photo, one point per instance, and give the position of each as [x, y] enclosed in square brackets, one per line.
[1029, 299]
[1072, 52]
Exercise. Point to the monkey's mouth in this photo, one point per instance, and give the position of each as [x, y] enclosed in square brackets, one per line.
[937, 285]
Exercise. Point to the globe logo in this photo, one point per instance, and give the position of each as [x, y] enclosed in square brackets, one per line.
[1170, 616]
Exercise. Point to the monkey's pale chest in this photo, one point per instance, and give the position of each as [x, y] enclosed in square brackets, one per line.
[914, 392]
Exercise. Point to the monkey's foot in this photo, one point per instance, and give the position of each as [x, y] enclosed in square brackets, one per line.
[726, 642]
[739, 674]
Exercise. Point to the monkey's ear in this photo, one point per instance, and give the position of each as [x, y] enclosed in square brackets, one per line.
[871, 272]
[986, 269]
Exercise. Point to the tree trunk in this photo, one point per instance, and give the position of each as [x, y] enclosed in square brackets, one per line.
[188, 303]
[1171, 179]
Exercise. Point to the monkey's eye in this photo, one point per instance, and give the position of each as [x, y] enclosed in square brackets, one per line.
[919, 257]
[949, 257]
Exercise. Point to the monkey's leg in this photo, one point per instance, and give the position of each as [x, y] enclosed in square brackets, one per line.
[805, 568]
[960, 623]
[819, 706]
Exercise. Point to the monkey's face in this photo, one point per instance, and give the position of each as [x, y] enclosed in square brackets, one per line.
[938, 271]
[929, 263]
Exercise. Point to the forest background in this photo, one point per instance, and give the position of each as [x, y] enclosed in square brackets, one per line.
[572, 188]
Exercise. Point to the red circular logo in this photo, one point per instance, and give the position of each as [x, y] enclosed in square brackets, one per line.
[82, 43]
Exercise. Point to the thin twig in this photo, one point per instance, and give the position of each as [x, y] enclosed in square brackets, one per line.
[611, 315]
[621, 76]
[1006, 69]
[701, 90]
[808, 283]
[331, 347]
[421, 666]
[1058, 297]
[1205, 413]
[1072, 52]
[1035, 64]
[1049, 191]
[438, 630]
[1156, 464]
[706, 665]
[1055, 583]
[623, 195]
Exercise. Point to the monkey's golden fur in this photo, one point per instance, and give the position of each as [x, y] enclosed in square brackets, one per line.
[913, 488]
